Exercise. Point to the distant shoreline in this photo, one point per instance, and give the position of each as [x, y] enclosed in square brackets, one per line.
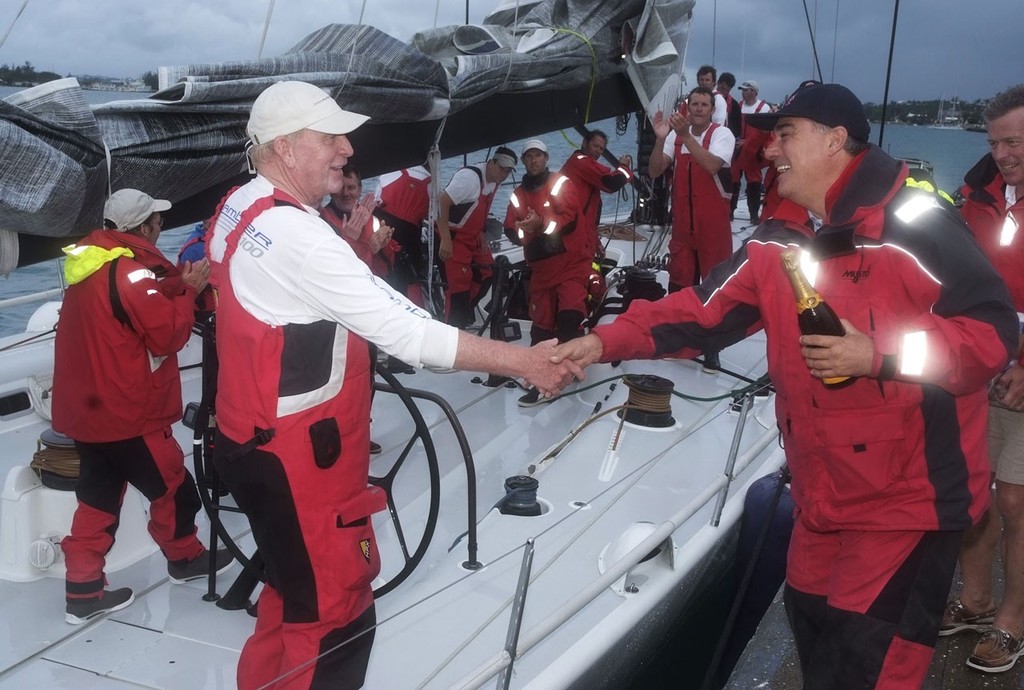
[96, 88]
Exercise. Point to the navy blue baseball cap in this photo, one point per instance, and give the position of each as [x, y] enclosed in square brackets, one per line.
[832, 105]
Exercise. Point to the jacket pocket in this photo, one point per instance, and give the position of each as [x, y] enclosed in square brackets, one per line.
[863, 453]
[326, 439]
[358, 557]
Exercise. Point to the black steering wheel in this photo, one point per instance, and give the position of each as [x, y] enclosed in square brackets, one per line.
[421, 434]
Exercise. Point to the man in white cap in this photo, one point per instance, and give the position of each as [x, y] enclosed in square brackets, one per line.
[749, 154]
[295, 309]
[544, 216]
[126, 313]
[462, 211]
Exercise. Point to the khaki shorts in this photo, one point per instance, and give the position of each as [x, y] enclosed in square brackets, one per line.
[1006, 444]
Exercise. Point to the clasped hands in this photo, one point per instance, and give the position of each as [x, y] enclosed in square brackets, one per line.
[553, 366]
[826, 357]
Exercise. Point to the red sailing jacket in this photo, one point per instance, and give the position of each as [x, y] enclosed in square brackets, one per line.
[590, 178]
[115, 380]
[559, 250]
[903, 449]
[986, 214]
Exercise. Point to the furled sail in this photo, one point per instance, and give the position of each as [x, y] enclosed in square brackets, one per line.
[529, 68]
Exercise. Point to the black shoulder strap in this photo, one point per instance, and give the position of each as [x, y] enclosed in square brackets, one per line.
[116, 305]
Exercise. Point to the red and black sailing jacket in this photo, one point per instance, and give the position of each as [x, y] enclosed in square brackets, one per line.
[904, 448]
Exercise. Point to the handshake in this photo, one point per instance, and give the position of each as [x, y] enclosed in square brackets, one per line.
[550, 366]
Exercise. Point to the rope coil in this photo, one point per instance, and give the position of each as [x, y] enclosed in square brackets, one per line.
[649, 401]
[56, 459]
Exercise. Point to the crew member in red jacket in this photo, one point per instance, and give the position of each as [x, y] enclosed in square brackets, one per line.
[590, 178]
[351, 216]
[994, 209]
[544, 216]
[116, 391]
[888, 471]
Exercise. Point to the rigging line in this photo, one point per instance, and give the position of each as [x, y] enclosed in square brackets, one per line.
[714, 29]
[13, 22]
[437, 11]
[30, 339]
[743, 48]
[266, 28]
[814, 45]
[352, 51]
[888, 71]
[593, 68]
[511, 49]
[835, 43]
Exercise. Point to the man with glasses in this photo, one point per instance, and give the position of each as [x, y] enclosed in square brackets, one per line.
[127, 311]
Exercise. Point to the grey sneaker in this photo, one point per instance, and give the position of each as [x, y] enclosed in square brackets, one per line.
[956, 618]
[82, 610]
[996, 651]
[184, 571]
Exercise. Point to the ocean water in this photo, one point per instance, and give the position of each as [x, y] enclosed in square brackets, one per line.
[952, 152]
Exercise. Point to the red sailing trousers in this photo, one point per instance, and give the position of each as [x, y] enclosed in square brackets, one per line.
[153, 464]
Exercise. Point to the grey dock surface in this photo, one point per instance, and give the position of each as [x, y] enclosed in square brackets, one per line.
[770, 661]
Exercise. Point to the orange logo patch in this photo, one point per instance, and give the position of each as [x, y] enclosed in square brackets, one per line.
[364, 546]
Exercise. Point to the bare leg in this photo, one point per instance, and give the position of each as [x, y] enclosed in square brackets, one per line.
[977, 555]
[1011, 505]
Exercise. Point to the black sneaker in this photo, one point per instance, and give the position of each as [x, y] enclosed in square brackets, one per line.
[711, 362]
[83, 610]
[532, 399]
[184, 570]
[374, 448]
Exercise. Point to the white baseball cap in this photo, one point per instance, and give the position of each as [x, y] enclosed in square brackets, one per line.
[129, 208]
[290, 106]
[535, 144]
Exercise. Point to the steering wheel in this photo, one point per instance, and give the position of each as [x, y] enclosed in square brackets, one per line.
[421, 434]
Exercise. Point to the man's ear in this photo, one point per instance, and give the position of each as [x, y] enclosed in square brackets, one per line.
[837, 139]
[283, 148]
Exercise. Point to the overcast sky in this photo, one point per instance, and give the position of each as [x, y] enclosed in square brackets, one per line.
[943, 48]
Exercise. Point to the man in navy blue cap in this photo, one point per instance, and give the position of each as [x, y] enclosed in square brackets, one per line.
[890, 469]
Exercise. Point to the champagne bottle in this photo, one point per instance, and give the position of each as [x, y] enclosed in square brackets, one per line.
[814, 315]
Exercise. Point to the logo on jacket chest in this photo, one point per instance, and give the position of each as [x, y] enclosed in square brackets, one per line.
[855, 276]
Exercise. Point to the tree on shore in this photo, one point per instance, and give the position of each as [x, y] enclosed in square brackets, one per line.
[18, 75]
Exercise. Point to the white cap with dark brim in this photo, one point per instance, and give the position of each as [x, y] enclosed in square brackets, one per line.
[287, 107]
[534, 144]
